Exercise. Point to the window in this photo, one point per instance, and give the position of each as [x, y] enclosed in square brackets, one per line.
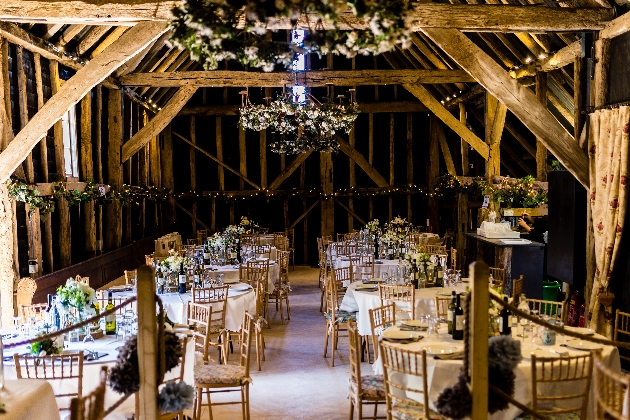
[70, 148]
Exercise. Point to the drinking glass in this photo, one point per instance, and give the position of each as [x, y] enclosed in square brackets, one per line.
[432, 329]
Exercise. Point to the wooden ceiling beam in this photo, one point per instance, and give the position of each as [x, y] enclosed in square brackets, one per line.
[158, 123]
[364, 107]
[221, 78]
[362, 162]
[518, 99]
[472, 17]
[563, 57]
[72, 91]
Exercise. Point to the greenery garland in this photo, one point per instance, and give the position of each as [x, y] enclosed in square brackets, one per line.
[217, 30]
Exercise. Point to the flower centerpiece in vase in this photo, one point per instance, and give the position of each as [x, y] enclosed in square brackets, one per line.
[248, 226]
[75, 301]
[170, 265]
[494, 310]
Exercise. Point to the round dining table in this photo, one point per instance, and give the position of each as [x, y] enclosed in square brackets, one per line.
[362, 301]
[444, 361]
[28, 399]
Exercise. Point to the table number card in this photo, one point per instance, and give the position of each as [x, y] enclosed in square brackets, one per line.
[101, 190]
[486, 201]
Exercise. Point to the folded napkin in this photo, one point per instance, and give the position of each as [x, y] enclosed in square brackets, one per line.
[452, 356]
[408, 328]
[405, 341]
[378, 262]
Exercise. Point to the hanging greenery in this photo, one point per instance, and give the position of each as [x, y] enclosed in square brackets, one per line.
[213, 31]
[19, 190]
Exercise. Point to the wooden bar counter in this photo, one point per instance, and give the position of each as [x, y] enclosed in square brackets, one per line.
[526, 259]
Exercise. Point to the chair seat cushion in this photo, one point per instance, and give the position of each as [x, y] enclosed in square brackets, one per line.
[372, 386]
[574, 415]
[220, 374]
[402, 411]
[342, 316]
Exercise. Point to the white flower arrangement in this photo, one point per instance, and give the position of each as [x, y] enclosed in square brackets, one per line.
[173, 261]
[216, 241]
[76, 296]
[373, 227]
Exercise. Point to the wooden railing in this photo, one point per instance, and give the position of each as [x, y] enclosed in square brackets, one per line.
[100, 270]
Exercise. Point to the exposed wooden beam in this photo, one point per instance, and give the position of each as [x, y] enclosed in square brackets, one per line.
[447, 118]
[473, 17]
[616, 27]
[494, 122]
[289, 169]
[158, 123]
[189, 214]
[364, 107]
[448, 159]
[362, 162]
[74, 89]
[350, 212]
[221, 164]
[518, 99]
[307, 211]
[563, 57]
[219, 78]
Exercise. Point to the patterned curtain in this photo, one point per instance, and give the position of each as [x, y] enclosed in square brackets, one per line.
[608, 159]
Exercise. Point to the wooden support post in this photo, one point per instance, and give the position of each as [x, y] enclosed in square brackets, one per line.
[147, 344]
[578, 97]
[462, 227]
[446, 152]
[305, 228]
[263, 159]
[219, 143]
[391, 163]
[63, 209]
[8, 277]
[602, 67]
[434, 173]
[353, 181]
[98, 176]
[113, 210]
[478, 340]
[328, 204]
[155, 180]
[6, 90]
[494, 123]
[242, 152]
[541, 150]
[409, 161]
[168, 181]
[87, 172]
[464, 144]
[371, 151]
[193, 174]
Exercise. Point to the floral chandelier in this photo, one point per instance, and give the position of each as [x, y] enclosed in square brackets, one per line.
[311, 125]
[217, 30]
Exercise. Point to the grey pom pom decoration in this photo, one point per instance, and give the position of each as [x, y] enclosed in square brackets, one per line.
[175, 397]
[504, 353]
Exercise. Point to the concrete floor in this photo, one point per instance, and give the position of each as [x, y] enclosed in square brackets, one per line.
[296, 382]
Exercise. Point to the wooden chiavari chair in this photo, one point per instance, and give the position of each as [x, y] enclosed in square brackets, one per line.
[498, 276]
[517, 287]
[263, 251]
[622, 331]
[130, 276]
[280, 294]
[343, 277]
[200, 316]
[290, 234]
[575, 370]
[65, 367]
[258, 319]
[610, 390]
[32, 313]
[101, 297]
[225, 378]
[435, 249]
[253, 276]
[335, 319]
[454, 258]
[403, 296]
[381, 318]
[92, 406]
[441, 306]
[553, 309]
[216, 325]
[399, 362]
[364, 389]
[362, 267]
[324, 272]
[182, 369]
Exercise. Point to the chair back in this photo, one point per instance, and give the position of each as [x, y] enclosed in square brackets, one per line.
[380, 319]
[148, 259]
[454, 258]
[67, 366]
[263, 251]
[403, 296]
[517, 286]
[261, 272]
[622, 331]
[435, 249]
[610, 391]
[129, 275]
[332, 296]
[354, 343]
[362, 267]
[201, 316]
[283, 266]
[25, 290]
[206, 295]
[101, 297]
[246, 342]
[441, 305]
[218, 301]
[92, 406]
[34, 312]
[343, 278]
[498, 276]
[398, 362]
[556, 380]
[555, 310]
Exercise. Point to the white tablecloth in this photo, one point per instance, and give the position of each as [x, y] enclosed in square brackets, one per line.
[91, 379]
[380, 268]
[230, 274]
[176, 304]
[28, 399]
[361, 302]
[442, 374]
[273, 254]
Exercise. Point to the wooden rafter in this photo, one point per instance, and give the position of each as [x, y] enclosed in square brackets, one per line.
[350, 211]
[518, 99]
[220, 78]
[289, 170]
[358, 158]
[158, 123]
[473, 17]
[563, 57]
[447, 118]
[74, 89]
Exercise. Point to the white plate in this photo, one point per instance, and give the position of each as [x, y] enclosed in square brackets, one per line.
[584, 331]
[539, 353]
[442, 348]
[584, 345]
[415, 323]
[240, 286]
[398, 335]
[376, 279]
[444, 294]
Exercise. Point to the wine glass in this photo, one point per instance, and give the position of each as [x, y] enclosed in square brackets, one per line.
[88, 345]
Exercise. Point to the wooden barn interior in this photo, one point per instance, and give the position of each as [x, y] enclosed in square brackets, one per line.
[94, 95]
